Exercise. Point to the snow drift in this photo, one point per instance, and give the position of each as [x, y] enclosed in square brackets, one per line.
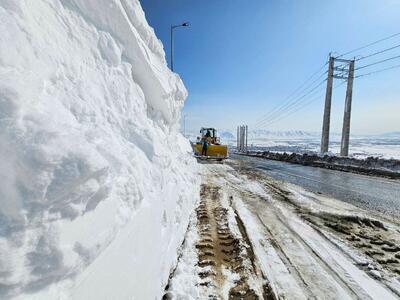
[96, 183]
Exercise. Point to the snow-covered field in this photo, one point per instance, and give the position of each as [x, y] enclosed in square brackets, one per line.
[361, 146]
[96, 182]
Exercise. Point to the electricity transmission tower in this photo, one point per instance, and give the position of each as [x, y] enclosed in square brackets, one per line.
[343, 72]
[339, 68]
[242, 136]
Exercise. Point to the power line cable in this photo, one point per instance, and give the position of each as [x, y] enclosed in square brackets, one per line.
[289, 103]
[279, 107]
[379, 52]
[293, 93]
[293, 111]
[368, 45]
[378, 71]
[378, 62]
[301, 107]
[288, 108]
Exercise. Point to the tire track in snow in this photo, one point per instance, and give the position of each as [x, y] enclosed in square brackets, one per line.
[225, 263]
[221, 253]
[361, 232]
[315, 277]
[286, 260]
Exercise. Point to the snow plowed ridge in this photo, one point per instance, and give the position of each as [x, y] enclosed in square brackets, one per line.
[93, 169]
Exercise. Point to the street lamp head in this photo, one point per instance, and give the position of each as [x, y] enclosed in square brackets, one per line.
[173, 27]
[186, 24]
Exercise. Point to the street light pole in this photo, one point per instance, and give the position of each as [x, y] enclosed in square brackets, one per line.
[172, 48]
[184, 125]
[186, 24]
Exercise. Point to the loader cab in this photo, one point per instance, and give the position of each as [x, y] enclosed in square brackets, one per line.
[211, 134]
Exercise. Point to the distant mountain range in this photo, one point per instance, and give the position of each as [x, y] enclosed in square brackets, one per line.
[227, 135]
[394, 134]
[262, 133]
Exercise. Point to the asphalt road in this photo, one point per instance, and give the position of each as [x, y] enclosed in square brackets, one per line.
[368, 192]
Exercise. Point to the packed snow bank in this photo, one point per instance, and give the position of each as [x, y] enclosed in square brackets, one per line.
[370, 166]
[96, 183]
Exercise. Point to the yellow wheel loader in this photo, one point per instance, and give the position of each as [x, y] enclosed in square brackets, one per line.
[209, 146]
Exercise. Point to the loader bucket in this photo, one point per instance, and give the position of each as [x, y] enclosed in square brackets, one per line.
[213, 151]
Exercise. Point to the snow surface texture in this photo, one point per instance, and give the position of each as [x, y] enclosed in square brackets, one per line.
[96, 182]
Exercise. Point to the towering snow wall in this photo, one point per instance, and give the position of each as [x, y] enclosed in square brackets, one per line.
[96, 183]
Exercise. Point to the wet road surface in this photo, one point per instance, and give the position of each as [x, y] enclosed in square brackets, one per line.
[371, 193]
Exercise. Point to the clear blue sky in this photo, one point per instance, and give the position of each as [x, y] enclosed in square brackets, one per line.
[239, 59]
